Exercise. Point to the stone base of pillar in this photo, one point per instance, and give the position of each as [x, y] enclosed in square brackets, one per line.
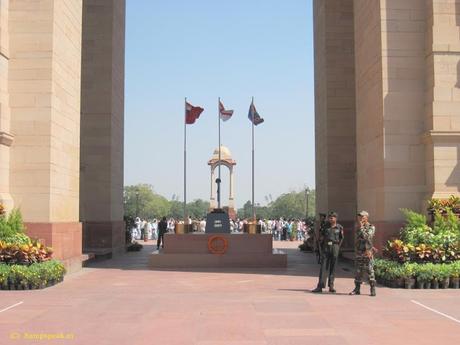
[64, 238]
[104, 238]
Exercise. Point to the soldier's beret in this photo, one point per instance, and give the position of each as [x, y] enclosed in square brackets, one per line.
[363, 214]
[333, 214]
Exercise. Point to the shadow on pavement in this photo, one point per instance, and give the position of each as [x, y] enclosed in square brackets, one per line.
[325, 292]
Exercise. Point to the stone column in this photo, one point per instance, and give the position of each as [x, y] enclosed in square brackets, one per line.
[212, 202]
[335, 116]
[44, 85]
[442, 128]
[6, 138]
[102, 123]
[390, 97]
[231, 199]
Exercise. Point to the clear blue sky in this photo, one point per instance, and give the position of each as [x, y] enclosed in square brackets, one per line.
[204, 49]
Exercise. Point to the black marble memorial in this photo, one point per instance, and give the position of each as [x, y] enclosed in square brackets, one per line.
[217, 222]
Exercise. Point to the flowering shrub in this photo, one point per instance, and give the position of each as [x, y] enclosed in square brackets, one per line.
[24, 263]
[443, 205]
[24, 254]
[35, 276]
[421, 243]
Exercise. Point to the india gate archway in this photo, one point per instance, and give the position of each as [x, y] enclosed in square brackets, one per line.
[387, 107]
[227, 161]
[387, 114]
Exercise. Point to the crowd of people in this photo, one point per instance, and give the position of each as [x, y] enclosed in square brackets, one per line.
[281, 229]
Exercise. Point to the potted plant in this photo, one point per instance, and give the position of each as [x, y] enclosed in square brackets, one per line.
[455, 274]
[435, 274]
[398, 277]
[408, 271]
[423, 276]
[444, 275]
[393, 275]
[378, 270]
[4, 273]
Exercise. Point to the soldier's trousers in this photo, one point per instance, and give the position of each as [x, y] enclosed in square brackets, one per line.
[364, 266]
[327, 271]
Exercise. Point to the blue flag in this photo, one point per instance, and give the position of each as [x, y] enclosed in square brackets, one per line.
[253, 115]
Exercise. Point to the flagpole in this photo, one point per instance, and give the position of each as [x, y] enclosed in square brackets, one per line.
[219, 179]
[185, 162]
[253, 114]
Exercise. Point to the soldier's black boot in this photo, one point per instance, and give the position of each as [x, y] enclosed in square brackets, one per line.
[331, 289]
[318, 289]
[373, 294]
[357, 289]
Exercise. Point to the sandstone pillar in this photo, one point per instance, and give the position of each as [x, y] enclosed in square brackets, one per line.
[102, 123]
[44, 85]
[390, 99]
[231, 198]
[212, 203]
[442, 127]
[335, 117]
[6, 138]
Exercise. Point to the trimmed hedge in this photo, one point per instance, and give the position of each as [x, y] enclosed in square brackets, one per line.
[35, 276]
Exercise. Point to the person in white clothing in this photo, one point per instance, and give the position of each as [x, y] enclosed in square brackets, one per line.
[202, 225]
[147, 230]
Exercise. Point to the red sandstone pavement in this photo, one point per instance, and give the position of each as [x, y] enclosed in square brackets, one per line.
[120, 301]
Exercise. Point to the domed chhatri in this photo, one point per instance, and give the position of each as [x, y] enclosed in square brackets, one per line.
[225, 153]
[225, 157]
[227, 161]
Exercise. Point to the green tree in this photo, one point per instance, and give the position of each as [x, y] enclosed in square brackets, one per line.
[246, 211]
[287, 205]
[141, 201]
[263, 212]
[198, 208]
[158, 207]
[177, 209]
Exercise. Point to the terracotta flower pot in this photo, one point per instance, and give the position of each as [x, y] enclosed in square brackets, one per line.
[434, 284]
[420, 284]
[428, 285]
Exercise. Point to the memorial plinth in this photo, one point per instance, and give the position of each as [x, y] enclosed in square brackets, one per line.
[242, 251]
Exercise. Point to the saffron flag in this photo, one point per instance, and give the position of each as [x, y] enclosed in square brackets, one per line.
[192, 113]
[254, 116]
[224, 114]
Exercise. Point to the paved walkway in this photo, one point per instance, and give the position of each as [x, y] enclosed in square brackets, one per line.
[120, 302]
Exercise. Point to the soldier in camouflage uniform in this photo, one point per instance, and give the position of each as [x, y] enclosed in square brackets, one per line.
[364, 251]
[330, 240]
